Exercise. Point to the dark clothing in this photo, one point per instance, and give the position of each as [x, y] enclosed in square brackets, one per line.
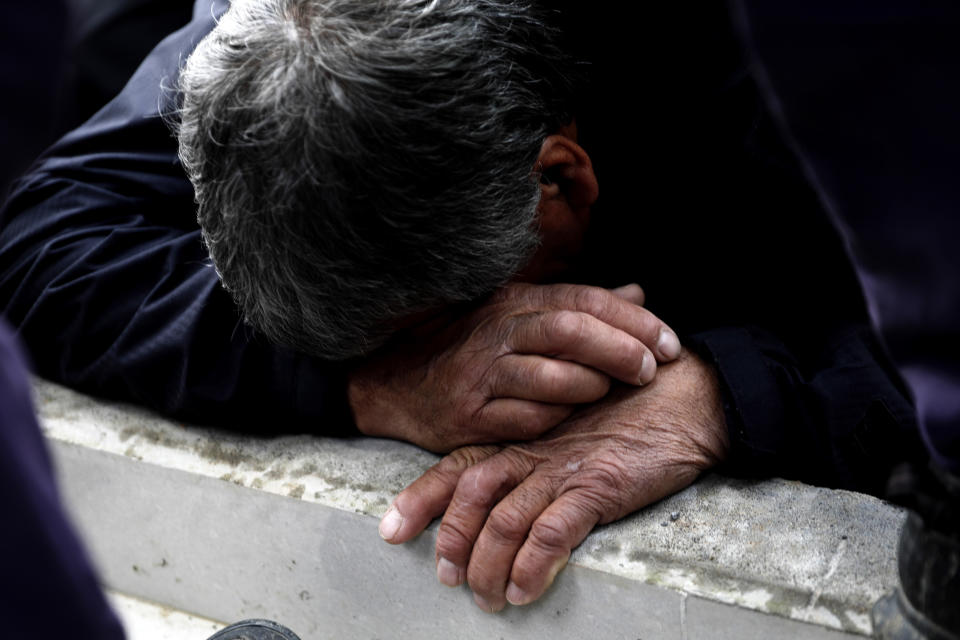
[704, 205]
[870, 97]
[105, 276]
[109, 39]
[49, 589]
[32, 58]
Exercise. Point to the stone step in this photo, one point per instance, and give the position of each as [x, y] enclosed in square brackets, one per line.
[228, 527]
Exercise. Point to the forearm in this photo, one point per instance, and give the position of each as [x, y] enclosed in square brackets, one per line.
[692, 405]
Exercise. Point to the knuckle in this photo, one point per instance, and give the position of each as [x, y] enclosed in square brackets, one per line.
[587, 386]
[551, 376]
[551, 532]
[508, 523]
[480, 484]
[437, 474]
[459, 460]
[490, 423]
[510, 375]
[593, 300]
[565, 327]
[605, 475]
[529, 423]
[460, 407]
[453, 540]
[629, 355]
[469, 487]
[480, 577]
[603, 482]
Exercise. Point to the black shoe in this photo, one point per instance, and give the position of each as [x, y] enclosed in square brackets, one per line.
[255, 630]
[926, 604]
[894, 618]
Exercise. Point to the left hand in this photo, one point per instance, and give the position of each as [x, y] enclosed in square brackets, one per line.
[514, 513]
[510, 369]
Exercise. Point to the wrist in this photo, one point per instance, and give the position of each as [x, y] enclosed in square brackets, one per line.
[700, 402]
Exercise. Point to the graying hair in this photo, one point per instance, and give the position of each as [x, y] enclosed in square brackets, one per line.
[355, 161]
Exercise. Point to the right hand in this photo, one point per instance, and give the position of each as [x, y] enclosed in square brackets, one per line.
[510, 369]
[513, 514]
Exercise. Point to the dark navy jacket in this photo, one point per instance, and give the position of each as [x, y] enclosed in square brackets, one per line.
[103, 272]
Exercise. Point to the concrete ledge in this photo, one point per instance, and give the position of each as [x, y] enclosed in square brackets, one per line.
[228, 527]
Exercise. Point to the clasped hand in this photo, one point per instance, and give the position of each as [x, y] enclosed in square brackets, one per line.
[510, 369]
[522, 366]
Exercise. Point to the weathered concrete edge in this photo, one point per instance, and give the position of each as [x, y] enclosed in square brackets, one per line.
[210, 547]
[362, 476]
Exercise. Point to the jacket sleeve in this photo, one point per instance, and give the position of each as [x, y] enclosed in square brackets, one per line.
[104, 275]
[833, 414]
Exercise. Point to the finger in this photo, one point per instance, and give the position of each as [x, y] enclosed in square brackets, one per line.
[503, 535]
[530, 377]
[426, 498]
[632, 293]
[515, 419]
[479, 489]
[617, 312]
[555, 533]
[582, 338]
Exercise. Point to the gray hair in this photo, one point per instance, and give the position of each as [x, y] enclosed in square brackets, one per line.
[355, 161]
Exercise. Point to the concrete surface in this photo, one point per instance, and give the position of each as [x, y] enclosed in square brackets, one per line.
[228, 527]
[144, 620]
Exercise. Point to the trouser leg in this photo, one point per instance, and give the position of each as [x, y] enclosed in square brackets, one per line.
[49, 589]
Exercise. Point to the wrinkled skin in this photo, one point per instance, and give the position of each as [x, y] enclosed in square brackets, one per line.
[511, 369]
[515, 512]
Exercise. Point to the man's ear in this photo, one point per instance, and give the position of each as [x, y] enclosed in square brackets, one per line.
[568, 188]
[567, 182]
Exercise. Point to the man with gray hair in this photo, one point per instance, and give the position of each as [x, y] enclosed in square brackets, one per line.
[387, 189]
[342, 139]
[331, 143]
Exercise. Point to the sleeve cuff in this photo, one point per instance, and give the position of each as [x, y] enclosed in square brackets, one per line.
[757, 418]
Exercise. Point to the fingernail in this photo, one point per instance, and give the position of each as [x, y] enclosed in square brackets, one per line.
[516, 595]
[625, 289]
[448, 573]
[668, 344]
[391, 523]
[482, 603]
[648, 368]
